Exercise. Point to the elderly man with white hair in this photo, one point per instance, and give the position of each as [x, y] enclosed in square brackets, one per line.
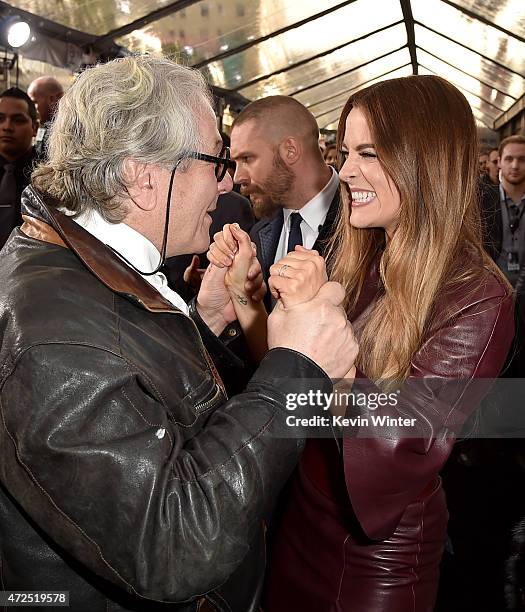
[134, 476]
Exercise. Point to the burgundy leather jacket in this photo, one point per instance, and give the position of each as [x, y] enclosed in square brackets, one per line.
[464, 348]
[363, 527]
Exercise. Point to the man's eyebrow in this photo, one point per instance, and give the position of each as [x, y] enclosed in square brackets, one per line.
[243, 154]
[15, 115]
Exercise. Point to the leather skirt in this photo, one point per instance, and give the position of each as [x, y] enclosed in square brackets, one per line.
[322, 562]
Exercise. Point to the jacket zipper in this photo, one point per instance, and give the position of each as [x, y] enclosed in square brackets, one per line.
[203, 406]
[218, 382]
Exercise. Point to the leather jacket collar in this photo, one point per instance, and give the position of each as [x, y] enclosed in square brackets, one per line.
[43, 221]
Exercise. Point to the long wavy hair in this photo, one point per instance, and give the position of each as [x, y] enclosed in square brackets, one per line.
[425, 138]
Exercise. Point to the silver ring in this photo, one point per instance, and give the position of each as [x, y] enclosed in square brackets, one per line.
[282, 269]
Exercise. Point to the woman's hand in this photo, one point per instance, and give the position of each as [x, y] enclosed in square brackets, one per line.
[233, 249]
[297, 277]
[234, 254]
[237, 273]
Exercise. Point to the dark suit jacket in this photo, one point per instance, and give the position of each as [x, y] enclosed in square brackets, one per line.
[493, 239]
[266, 234]
[231, 208]
[492, 221]
[11, 218]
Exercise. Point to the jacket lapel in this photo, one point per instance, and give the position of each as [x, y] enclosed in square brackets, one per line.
[46, 223]
[269, 240]
[328, 226]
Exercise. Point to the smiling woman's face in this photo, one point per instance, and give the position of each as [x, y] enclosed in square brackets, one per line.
[375, 198]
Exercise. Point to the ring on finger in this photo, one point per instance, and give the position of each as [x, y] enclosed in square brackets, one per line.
[282, 269]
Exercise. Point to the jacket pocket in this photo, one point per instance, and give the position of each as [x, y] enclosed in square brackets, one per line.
[211, 400]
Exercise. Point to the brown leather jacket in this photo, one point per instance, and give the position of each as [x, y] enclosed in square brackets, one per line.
[126, 475]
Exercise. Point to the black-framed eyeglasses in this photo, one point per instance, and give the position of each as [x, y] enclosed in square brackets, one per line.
[222, 162]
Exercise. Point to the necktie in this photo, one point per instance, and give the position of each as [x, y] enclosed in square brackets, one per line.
[9, 203]
[295, 237]
[8, 193]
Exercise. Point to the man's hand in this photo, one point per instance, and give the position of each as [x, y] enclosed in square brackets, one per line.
[213, 301]
[318, 329]
[193, 274]
[223, 248]
[297, 277]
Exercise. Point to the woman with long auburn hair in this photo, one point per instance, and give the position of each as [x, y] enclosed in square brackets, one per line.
[363, 525]
[425, 140]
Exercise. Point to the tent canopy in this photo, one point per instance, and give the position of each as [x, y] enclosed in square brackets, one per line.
[318, 52]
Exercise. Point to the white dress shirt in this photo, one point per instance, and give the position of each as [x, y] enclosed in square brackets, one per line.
[314, 215]
[135, 247]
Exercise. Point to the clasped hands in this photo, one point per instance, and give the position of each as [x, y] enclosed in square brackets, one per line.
[294, 279]
[214, 300]
[308, 316]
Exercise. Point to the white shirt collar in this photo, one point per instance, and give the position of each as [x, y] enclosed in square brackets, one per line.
[135, 247]
[314, 212]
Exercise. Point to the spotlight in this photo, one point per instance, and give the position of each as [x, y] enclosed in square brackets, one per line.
[15, 31]
[18, 34]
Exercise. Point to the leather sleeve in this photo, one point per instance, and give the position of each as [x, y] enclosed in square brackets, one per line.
[229, 352]
[102, 467]
[386, 470]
